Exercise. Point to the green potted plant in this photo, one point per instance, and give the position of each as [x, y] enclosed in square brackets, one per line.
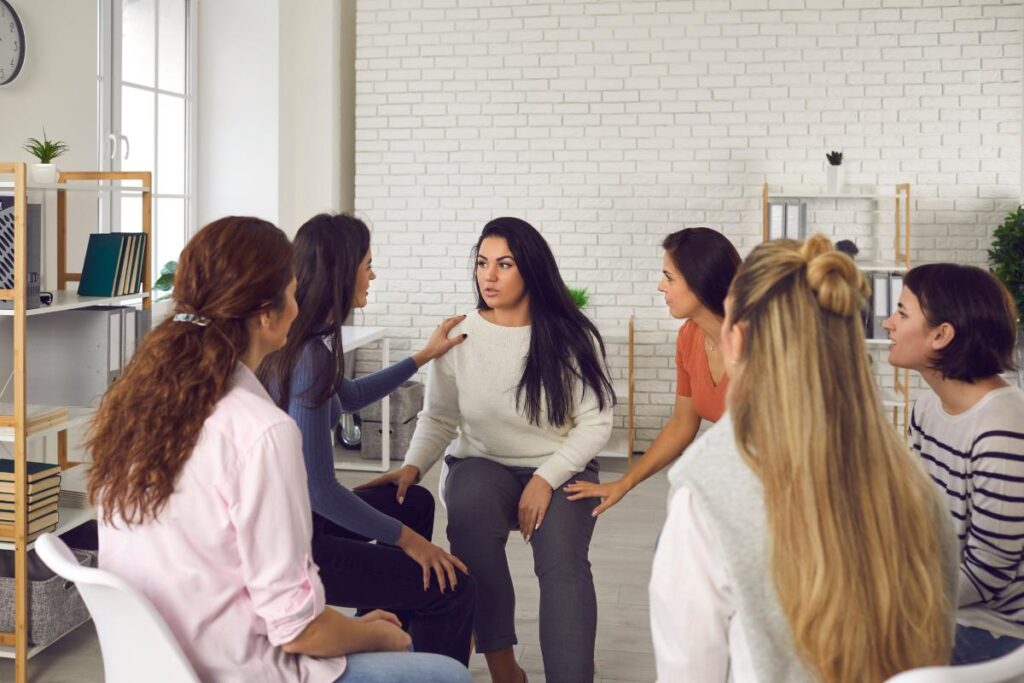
[580, 296]
[46, 150]
[165, 283]
[1006, 258]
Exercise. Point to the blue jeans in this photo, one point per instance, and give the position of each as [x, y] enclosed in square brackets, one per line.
[974, 645]
[403, 667]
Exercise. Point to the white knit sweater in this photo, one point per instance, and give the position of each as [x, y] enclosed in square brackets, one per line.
[471, 400]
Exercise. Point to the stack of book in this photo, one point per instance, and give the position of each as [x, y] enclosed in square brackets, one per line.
[114, 264]
[43, 494]
[74, 487]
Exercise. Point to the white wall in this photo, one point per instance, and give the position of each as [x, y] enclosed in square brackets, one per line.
[56, 89]
[610, 124]
[310, 111]
[57, 84]
[238, 136]
[270, 109]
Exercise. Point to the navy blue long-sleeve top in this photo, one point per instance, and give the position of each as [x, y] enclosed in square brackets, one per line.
[327, 496]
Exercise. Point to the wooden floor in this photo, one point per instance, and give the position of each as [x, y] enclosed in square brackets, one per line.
[621, 554]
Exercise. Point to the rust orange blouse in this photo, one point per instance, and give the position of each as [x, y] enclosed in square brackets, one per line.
[694, 375]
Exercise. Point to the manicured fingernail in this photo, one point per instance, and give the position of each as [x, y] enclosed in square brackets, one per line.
[465, 336]
[536, 527]
[401, 500]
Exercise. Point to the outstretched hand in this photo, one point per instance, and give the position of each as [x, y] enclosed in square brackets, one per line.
[439, 343]
[403, 478]
[610, 494]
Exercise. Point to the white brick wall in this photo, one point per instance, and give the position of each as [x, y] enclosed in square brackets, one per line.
[610, 124]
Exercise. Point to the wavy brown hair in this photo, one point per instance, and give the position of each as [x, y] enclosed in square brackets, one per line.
[150, 419]
[855, 523]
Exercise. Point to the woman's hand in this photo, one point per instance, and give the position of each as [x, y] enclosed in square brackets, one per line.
[533, 505]
[432, 559]
[610, 494]
[387, 633]
[403, 478]
[439, 343]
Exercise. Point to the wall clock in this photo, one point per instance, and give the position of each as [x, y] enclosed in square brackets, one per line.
[12, 43]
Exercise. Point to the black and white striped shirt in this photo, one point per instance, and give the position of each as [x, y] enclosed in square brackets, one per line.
[976, 458]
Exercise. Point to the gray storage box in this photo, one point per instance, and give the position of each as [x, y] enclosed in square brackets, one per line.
[406, 403]
[401, 435]
[55, 607]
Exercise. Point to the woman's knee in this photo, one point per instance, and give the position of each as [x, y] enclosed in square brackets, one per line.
[420, 500]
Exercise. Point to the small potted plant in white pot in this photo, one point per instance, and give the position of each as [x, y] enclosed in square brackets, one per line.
[835, 172]
[46, 150]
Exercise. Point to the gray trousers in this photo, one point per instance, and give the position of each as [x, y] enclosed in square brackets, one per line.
[483, 507]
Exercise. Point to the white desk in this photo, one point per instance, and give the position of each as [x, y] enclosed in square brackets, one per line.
[352, 337]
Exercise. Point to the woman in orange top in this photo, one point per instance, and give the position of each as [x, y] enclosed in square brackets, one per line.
[698, 268]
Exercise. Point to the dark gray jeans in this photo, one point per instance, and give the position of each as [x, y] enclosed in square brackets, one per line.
[483, 507]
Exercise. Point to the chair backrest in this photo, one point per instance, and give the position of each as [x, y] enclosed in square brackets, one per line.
[136, 643]
[1006, 669]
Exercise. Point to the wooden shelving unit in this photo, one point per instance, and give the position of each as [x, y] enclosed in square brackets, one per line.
[13, 427]
[895, 398]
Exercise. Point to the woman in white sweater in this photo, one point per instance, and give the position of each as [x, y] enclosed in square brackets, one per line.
[527, 402]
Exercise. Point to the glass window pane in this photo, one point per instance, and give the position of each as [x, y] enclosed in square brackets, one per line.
[170, 171]
[131, 214]
[137, 124]
[170, 232]
[138, 42]
[171, 62]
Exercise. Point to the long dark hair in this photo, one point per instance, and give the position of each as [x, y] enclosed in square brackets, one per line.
[327, 252]
[561, 338]
[707, 261]
[150, 419]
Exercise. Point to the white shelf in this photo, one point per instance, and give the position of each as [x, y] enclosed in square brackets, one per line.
[616, 446]
[77, 187]
[68, 519]
[796, 193]
[882, 266]
[7, 652]
[67, 300]
[77, 417]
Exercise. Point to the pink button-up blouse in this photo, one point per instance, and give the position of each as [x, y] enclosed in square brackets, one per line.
[228, 561]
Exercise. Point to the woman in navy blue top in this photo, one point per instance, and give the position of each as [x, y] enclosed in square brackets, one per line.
[403, 572]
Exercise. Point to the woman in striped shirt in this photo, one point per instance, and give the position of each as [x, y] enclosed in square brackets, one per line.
[956, 326]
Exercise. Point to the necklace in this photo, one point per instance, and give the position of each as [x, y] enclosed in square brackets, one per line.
[708, 346]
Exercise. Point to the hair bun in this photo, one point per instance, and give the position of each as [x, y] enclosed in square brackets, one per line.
[840, 286]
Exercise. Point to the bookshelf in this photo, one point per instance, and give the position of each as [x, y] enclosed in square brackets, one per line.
[893, 259]
[13, 427]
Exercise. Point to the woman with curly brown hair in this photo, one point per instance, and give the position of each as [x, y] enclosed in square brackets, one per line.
[201, 488]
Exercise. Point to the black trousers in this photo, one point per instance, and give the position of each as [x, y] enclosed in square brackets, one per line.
[364, 575]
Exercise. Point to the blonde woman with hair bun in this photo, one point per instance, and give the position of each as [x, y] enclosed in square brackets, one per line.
[803, 541]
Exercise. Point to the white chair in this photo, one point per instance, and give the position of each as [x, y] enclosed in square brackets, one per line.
[136, 643]
[1007, 669]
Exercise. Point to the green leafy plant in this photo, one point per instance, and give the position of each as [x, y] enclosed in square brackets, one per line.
[835, 158]
[1006, 256]
[46, 150]
[580, 296]
[165, 283]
